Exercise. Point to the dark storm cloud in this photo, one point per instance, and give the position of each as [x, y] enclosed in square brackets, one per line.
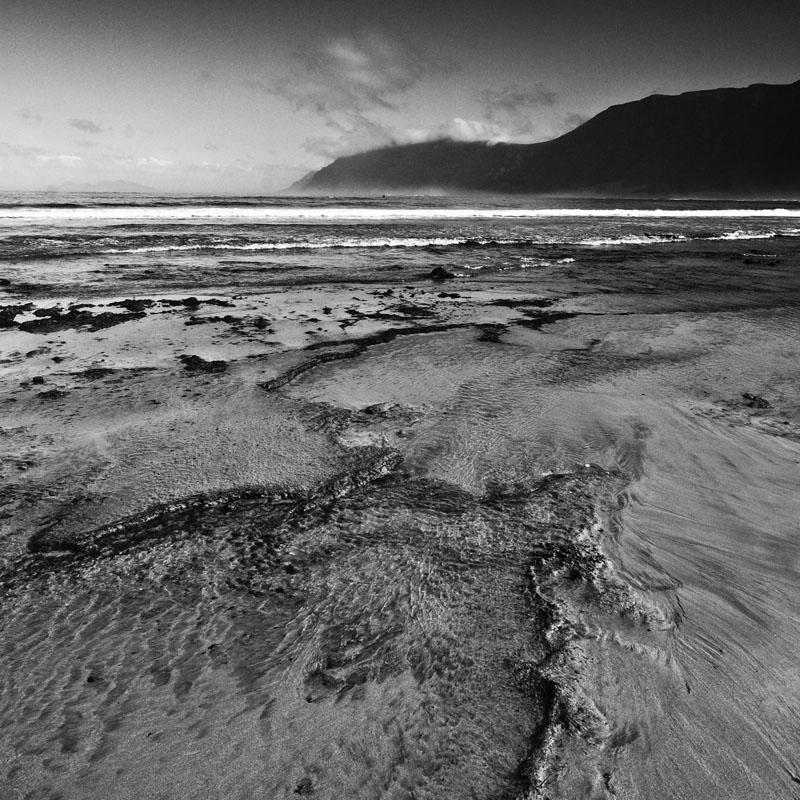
[86, 125]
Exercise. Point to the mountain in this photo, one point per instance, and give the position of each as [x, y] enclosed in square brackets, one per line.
[733, 142]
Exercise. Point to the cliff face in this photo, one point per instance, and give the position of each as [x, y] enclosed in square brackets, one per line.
[720, 141]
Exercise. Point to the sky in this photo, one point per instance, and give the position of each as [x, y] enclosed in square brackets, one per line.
[247, 96]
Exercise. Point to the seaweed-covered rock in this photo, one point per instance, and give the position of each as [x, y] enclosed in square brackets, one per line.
[196, 364]
[52, 394]
[138, 304]
[755, 401]
[51, 320]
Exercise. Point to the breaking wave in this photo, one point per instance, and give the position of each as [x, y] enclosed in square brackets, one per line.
[185, 213]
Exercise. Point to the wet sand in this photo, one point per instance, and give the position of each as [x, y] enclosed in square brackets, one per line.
[485, 537]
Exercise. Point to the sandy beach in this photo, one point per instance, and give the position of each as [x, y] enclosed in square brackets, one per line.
[484, 536]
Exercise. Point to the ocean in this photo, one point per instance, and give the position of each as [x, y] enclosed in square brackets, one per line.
[95, 244]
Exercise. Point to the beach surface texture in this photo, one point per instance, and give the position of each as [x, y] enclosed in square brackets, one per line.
[399, 498]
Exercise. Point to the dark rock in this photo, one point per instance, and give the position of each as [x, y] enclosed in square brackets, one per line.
[195, 320]
[108, 319]
[527, 302]
[755, 401]
[491, 332]
[536, 320]
[5, 282]
[261, 323]
[8, 313]
[47, 325]
[190, 302]
[440, 274]
[94, 373]
[56, 321]
[52, 394]
[215, 301]
[327, 310]
[377, 409]
[197, 364]
[47, 312]
[133, 305]
[37, 380]
[410, 310]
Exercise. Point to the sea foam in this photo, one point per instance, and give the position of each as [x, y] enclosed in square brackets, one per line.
[282, 214]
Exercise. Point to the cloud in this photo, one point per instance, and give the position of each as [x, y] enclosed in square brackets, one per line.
[459, 130]
[33, 156]
[29, 115]
[513, 99]
[348, 81]
[9, 150]
[512, 110]
[134, 132]
[155, 163]
[63, 159]
[86, 125]
[353, 74]
[257, 86]
[356, 134]
[362, 133]
[571, 121]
